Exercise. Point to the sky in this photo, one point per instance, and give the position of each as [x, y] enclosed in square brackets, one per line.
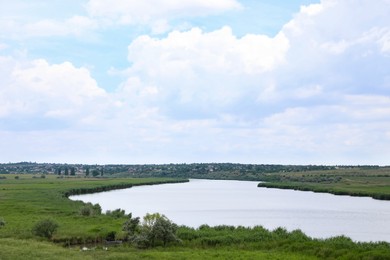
[169, 81]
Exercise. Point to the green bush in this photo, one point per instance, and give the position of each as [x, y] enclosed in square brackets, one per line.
[90, 210]
[117, 213]
[2, 222]
[86, 211]
[45, 228]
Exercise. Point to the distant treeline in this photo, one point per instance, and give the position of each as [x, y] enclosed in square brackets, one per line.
[194, 170]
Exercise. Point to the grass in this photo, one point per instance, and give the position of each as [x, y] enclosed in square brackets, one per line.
[26, 200]
[373, 183]
[29, 249]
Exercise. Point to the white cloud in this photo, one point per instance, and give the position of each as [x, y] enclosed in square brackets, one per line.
[79, 26]
[205, 73]
[317, 92]
[319, 88]
[132, 11]
[36, 88]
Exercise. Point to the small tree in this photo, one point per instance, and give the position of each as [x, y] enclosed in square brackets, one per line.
[131, 226]
[164, 230]
[156, 229]
[45, 228]
[95, 173]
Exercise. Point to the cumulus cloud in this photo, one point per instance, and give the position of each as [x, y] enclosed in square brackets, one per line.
[204, 73]
[320, 84]
[316, 92]
[39, 90]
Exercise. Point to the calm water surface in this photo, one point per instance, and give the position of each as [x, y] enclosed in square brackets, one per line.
[216, 202]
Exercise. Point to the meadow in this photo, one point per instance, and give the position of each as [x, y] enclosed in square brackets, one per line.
[25, 199]
[370, 182]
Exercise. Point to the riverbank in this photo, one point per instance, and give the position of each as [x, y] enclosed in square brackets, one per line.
[374, 183]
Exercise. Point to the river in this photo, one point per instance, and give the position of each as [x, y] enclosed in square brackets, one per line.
[220, 202]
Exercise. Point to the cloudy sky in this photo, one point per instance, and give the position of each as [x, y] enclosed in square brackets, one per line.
[172, 81]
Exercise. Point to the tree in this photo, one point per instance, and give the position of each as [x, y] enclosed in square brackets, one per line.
[155, 229]
[164, 230]
[131, 226]
[72, 171]
[66, 171]
[87, 172]
[95, 173]
[45, 228]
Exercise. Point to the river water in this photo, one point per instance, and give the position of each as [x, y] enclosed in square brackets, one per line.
[220, 202]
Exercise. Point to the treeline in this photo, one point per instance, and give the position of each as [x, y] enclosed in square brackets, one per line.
[201, 170]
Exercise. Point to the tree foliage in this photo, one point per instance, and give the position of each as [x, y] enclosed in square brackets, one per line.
[117, 213]
[155, 229]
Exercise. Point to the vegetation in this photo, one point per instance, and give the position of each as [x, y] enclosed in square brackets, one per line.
[374, 182]
[155, 230]
[26, 201]
[194, 170]
[45, 228]
[369, 180]
[2, 222]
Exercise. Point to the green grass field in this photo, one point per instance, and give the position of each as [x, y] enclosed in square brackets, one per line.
[373, 183]
[26, 200]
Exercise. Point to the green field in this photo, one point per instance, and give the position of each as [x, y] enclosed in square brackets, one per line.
[373, 183]
[26, 200]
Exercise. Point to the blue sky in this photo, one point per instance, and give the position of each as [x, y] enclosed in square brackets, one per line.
[161, 81]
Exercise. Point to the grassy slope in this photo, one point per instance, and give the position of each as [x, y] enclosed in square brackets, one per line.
[356, 182]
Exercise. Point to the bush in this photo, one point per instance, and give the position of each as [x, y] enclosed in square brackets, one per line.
[2, 222]
[86, 211]
[45, 228]
[111, 236]
[118, 213]
[89, 209]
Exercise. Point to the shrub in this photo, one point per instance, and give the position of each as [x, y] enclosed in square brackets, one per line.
[86, 211]
[111, 236]
[118, 213]
[45, 228]
[89, 209]
[2, 222]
